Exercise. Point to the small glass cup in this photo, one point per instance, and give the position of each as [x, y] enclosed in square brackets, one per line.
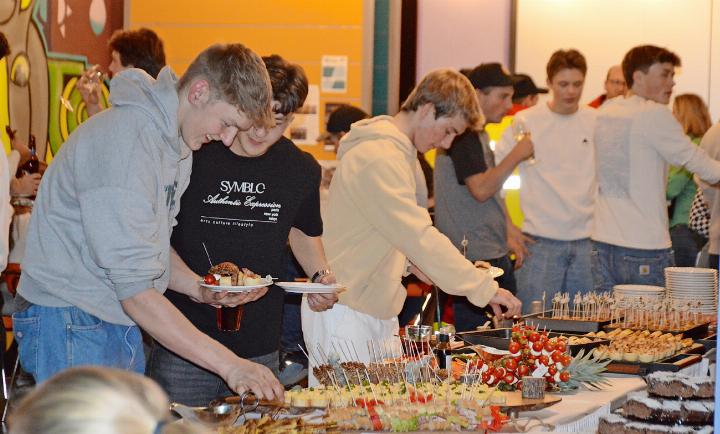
[228, 318]
[417, 339]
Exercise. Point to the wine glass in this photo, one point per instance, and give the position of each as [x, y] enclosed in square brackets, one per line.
[520, 131]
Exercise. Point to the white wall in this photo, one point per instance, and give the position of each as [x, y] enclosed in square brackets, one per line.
[604, 30]
[462, 33]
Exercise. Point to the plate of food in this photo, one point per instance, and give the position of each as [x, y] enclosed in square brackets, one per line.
[227, 276]
[310, 287]
[495, 272]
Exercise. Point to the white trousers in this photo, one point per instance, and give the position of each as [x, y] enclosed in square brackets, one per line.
[349, 334]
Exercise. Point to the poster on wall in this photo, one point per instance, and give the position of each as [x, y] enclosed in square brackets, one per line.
[305, 127]
[334, 74]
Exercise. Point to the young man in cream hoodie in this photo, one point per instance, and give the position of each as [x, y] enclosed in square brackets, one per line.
[375, 231]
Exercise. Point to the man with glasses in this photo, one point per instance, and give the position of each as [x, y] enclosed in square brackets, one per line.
[614, 86]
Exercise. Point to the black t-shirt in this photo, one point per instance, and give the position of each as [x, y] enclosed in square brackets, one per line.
[243, 209]
[467, 155]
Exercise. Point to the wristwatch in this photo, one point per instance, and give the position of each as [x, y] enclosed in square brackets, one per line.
[320, 273]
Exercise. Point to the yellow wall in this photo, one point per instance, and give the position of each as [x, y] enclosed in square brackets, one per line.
[300, 31]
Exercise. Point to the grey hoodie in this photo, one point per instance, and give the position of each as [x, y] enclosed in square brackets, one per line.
[100, 229]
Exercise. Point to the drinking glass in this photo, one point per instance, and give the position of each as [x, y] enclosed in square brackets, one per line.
[520, 131]
[228, 318]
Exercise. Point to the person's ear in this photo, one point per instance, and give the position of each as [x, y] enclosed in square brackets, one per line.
[199, 92]
[638, 77]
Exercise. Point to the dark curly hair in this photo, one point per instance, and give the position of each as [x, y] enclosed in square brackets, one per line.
[141, 48]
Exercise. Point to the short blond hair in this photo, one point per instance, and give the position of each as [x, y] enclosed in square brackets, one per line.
[237, 76]
[91, 400]
[450, 92]
[692, 113]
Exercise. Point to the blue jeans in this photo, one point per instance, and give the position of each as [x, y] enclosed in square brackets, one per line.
[189, 384]
[51, 339]
[554, 266]
[467, 315]
[615, 265]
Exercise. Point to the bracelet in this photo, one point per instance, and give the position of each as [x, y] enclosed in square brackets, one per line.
[320, 273]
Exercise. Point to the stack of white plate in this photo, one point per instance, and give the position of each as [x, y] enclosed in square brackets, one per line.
[631, 293]
[697, 286]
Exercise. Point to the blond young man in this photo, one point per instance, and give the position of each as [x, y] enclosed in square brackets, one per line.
[98, 250]
[375, 231]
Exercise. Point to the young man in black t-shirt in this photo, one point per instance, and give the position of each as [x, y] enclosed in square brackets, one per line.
[244, 203]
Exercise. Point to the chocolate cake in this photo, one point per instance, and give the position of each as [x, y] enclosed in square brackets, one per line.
[675, 385]
[640, 405]
[617, 424]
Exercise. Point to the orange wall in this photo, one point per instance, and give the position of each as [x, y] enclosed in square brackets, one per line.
[300, 31]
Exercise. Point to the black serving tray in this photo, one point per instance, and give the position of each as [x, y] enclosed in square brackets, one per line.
[565, 325]
[708, 341]
[673, 363]
[500, 339]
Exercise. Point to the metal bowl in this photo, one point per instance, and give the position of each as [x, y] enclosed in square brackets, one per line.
[213, 416]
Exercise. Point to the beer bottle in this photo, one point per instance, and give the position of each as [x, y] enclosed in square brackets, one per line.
[33, 164]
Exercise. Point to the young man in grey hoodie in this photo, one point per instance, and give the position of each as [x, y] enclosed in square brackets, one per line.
[98, 248]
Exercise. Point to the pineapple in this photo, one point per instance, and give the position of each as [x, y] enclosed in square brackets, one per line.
[587, 371]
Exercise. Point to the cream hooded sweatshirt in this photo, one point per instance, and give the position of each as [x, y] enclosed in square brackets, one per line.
[374, 225]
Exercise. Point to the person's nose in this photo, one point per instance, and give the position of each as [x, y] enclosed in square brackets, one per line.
[228, 135]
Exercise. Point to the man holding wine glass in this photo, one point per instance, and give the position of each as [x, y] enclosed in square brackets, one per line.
[468, 207]
[557, 184]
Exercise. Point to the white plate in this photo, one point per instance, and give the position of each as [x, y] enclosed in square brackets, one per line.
[239, 288]
[310, 287]
[495, 272]
[690, 270]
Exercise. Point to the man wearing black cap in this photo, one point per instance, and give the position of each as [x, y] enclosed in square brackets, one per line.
[468, 207]
[339, 123]
[525, 93]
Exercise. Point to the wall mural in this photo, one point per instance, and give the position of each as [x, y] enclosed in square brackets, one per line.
[52, 42]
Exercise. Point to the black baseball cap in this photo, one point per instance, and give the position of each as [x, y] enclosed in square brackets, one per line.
[342, 117]
[489, 75]
[524, 86]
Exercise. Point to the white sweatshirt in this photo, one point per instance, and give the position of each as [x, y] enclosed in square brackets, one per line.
[635, 139]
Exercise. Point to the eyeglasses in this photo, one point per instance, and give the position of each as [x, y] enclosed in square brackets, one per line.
[617, 82]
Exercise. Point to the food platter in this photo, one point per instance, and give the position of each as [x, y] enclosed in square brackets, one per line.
[310, 287]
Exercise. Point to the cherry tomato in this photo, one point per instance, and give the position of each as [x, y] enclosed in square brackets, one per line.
[564, 376]
[534, 337]
[514, 347]
[500, 372]
[509, 378]
[557, 356]
[537, 346]
[566, 360]
[210, 280]
[549, 346]
[552, 370]
[523, 370]
[544, 360]
[561, 346]
[511, 365]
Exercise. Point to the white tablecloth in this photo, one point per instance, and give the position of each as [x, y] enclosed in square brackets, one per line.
[580, 412]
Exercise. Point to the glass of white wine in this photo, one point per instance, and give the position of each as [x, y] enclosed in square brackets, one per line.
[520, 131]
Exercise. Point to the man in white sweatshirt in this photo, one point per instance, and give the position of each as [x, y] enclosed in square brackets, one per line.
[636, 137]
[375, 232]
[558, 187]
